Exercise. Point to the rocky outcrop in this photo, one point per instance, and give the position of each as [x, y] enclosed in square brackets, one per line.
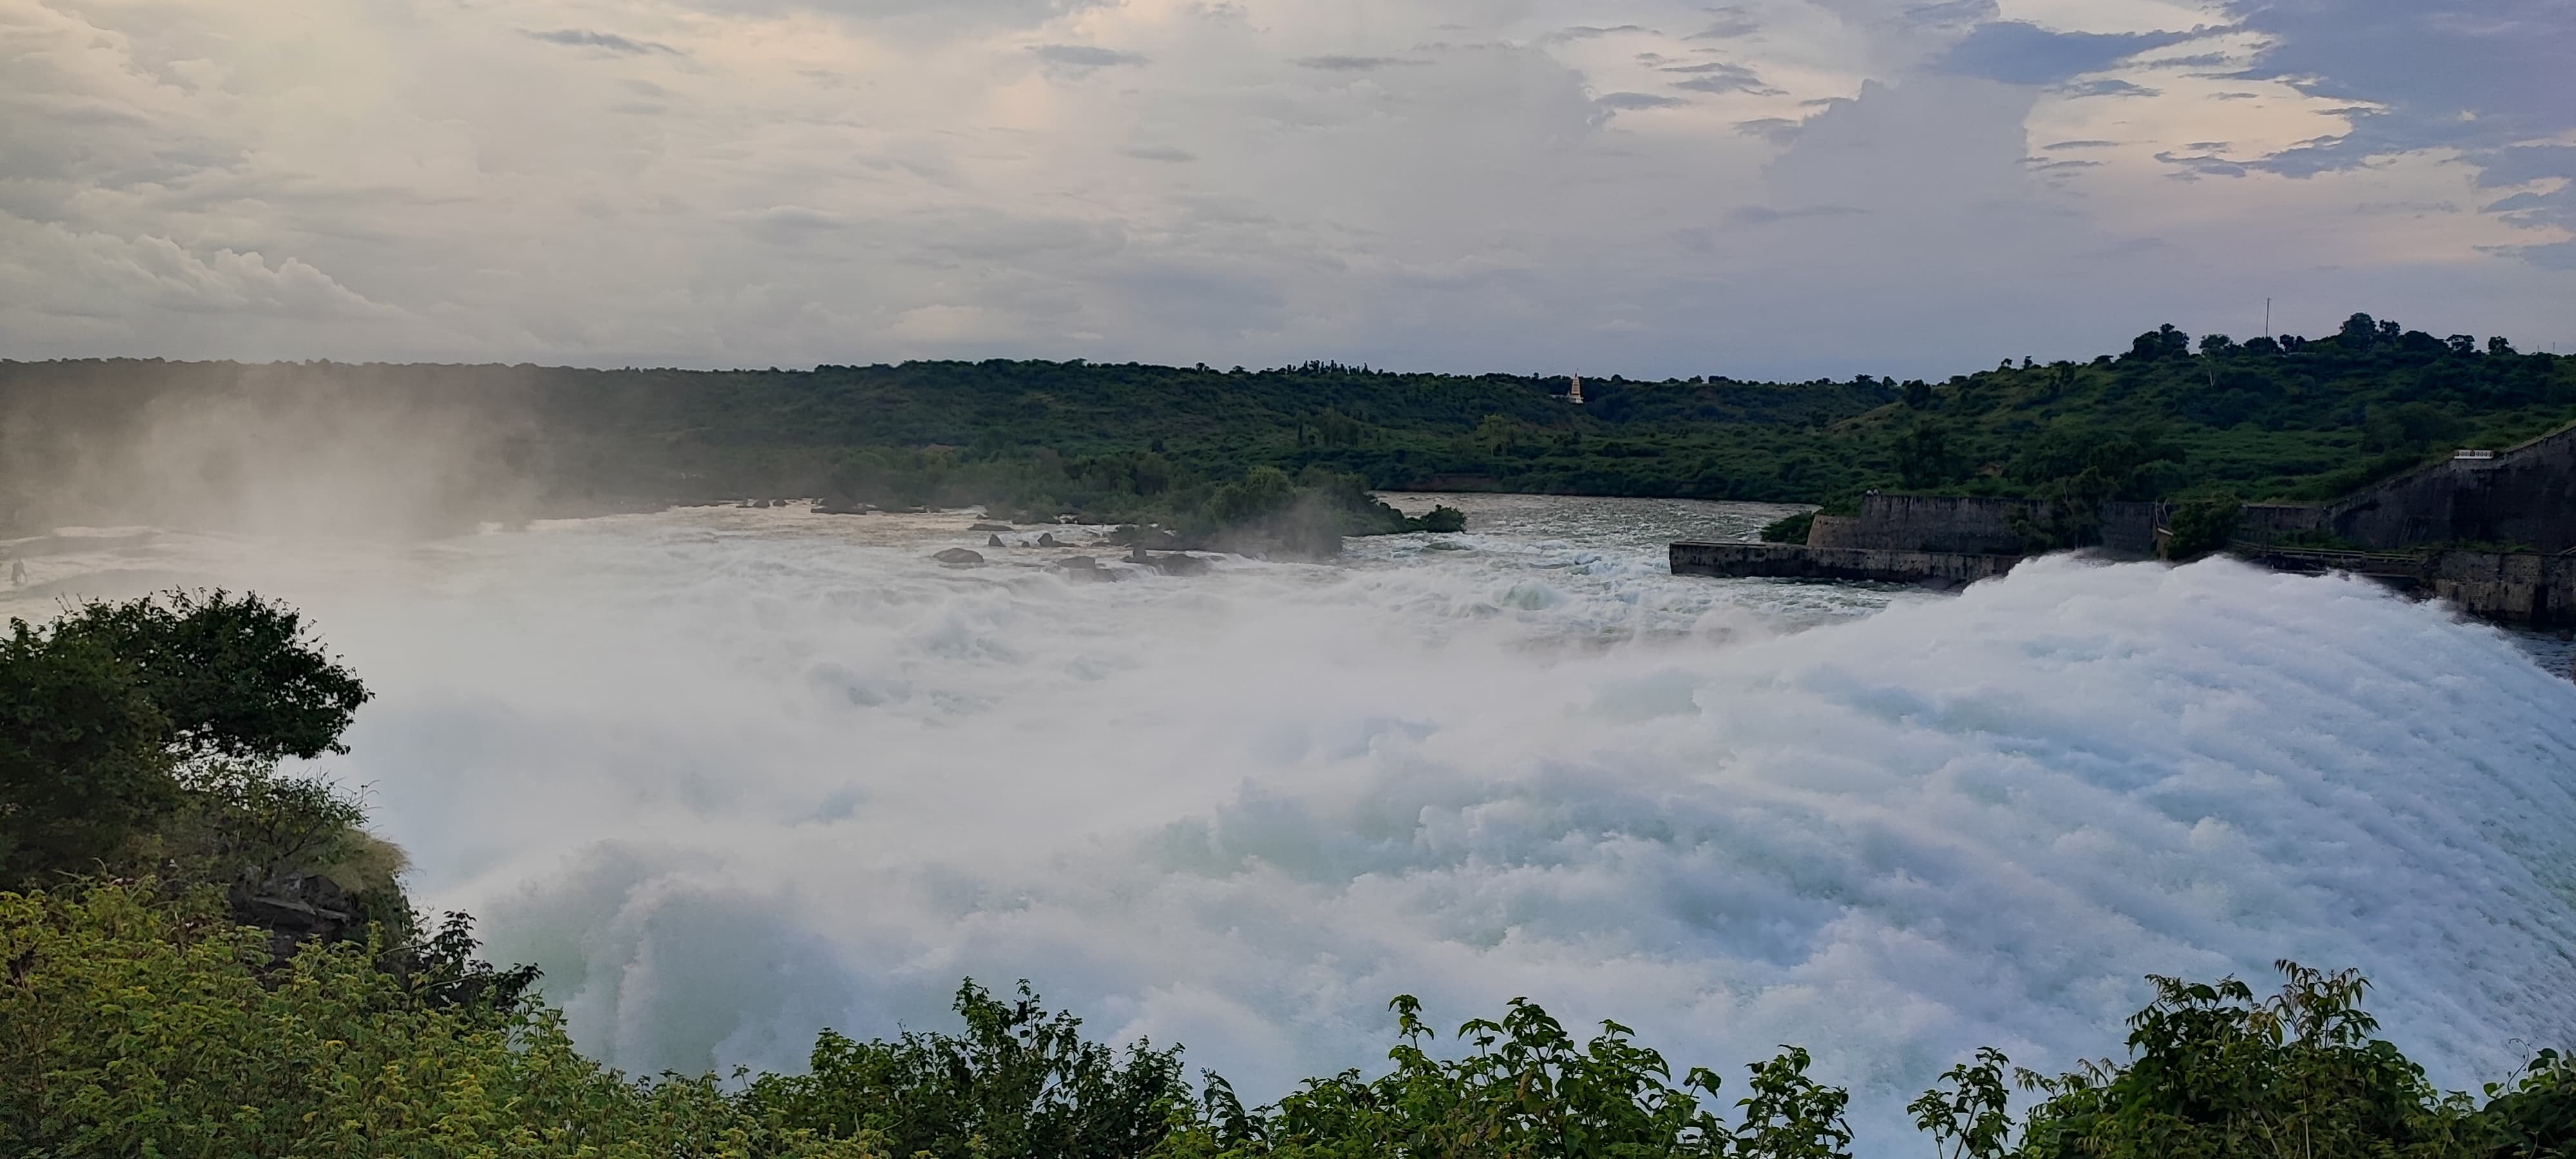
[1084, 569]
[960, 557]
[297, 910]
[1148, 539]
[1170, 562]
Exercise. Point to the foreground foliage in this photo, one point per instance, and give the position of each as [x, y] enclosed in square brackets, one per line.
[134, 1024]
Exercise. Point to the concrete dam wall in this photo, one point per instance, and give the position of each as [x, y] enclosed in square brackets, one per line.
[1843, 564]
[1934, 523]
[2525, 495]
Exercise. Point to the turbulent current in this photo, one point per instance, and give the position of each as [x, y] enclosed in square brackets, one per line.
[733, 775]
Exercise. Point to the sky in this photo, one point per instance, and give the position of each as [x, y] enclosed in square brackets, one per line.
[1772, 188]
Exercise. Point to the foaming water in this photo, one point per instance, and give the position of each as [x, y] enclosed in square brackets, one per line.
[734, 775]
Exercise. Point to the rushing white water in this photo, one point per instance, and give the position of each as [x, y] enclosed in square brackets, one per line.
[732, 775]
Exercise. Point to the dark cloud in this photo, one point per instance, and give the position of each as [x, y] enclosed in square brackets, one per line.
[604, 41]
[2558, 256]
[1947, 14]
[1719, 84]
[1722, 78]
[2428, 61]
[2484, 77]
[1085, 56]
[1161, 154]
[2026, 54]
[2532, 164]
[2194, 166]
[1623, 102]
[2508, 206]
[2061, 146]
[2522, 164]
[2105, 87]
[2235, 96]
[1587, 32]
[2044, 165]
[1777, 130]
[1731, 22]
[1351, 63]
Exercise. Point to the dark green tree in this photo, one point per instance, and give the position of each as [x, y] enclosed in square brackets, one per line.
[234, 676]
[83, 764]
[118, 713]
[1925, 458]
[2200, 527]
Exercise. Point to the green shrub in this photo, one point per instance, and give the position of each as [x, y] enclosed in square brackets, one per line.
[1019, 1081]
[136, 1026]
[2200, 527]
[1789, 529]
[1441, 519]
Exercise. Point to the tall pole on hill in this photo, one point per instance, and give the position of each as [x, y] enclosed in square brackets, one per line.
[2267, 317]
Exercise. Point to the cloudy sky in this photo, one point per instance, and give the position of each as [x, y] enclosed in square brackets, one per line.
[1771, 187]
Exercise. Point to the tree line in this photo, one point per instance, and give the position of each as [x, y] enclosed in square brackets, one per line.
[2173, 416]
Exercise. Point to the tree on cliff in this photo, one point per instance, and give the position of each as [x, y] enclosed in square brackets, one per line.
[117, 711]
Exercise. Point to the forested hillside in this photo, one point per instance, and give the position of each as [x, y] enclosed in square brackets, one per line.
[2173, 415]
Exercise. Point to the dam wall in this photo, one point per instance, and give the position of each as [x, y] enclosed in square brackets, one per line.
[1844, 564]
[2516, 587]
[2524, 495]
[1961, 524]
[2510, 587]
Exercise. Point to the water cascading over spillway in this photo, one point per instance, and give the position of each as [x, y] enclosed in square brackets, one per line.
[731, 779]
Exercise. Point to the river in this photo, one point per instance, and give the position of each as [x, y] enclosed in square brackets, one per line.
[732, 775]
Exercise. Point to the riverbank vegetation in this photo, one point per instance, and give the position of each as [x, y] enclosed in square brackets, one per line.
[206, 956]
[2172, 416]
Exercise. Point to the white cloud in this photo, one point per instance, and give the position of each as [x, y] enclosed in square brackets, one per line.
[1786, 187]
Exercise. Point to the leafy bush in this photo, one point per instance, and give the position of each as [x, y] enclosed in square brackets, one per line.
[1441, 519]
[2215, 1071]
[1020, 1081]
[2202, 526]
[1527, 1090]
[1789, 529]
[137, 1026]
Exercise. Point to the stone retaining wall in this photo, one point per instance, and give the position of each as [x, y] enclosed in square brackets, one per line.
[2524, 495]
[2521, 587]
[1850, 565]
[1937, 523]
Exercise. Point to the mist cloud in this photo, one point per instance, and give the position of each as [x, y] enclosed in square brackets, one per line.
[743, 775]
